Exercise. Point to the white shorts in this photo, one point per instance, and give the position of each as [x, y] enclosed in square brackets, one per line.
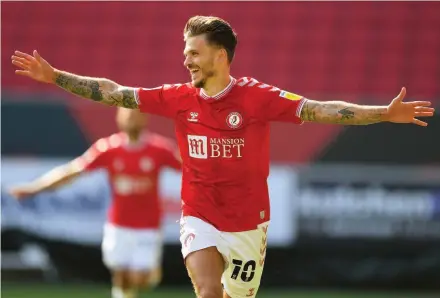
[244, 253]
[131, 249]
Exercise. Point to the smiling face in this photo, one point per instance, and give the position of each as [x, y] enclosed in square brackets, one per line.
[201, 59]
[209, 48]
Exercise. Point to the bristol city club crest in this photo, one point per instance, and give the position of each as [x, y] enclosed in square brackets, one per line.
[234, 120]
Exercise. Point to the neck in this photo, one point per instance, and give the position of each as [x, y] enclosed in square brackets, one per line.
[133, 136]
[216, 84]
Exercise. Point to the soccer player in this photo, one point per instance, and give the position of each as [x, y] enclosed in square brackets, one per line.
[133, 158]
[222, 128]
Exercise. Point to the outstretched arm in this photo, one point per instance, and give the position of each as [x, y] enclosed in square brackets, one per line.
[97, 89]
[339, 112]
[55, 178]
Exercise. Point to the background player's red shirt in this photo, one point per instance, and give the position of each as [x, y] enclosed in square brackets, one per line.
[224, 144]
[133, 171]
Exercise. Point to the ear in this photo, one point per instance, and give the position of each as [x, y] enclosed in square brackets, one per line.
[222, 55]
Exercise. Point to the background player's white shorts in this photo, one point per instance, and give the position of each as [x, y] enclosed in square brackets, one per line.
[243, 252]
[131, 249]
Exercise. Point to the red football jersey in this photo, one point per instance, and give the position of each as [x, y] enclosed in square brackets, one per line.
[133, 171]
[224, 144]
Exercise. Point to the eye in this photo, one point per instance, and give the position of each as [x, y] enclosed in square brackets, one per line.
[191, 54]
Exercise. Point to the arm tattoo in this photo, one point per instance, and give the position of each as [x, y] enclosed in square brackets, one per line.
[338, 112]
[97, 89]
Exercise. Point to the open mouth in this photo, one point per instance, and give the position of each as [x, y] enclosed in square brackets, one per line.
[194, 72]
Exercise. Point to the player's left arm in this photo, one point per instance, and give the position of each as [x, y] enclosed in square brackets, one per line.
[339, 112]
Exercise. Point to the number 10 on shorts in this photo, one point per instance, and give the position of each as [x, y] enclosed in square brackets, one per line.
[247, 271]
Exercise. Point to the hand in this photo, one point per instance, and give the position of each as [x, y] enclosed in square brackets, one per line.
[22, 192]
[34, 67]
[408, 112]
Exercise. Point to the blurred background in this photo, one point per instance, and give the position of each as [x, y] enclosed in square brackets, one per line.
[356, 210]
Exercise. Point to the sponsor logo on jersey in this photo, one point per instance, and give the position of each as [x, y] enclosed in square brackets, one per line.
[290, 96]
[203, 147]
[198, 146]
[234, 120]
[126, 185]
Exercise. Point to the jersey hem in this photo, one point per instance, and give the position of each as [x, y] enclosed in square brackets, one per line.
[245, 228]
[133, 227]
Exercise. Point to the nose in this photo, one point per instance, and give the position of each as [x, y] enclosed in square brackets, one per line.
[187, 62]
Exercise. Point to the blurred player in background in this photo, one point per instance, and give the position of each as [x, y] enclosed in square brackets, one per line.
[133, 158]
[222, 128]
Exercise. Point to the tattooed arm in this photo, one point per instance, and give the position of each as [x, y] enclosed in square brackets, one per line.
[97, 89]
[101, 90]
[339, 112]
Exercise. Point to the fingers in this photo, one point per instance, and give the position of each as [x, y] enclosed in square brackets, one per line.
[20, 64]
[419, 122]
[18, 196]
[24, 55]
[37, 55]
[401, 95]
[19, 193]
[423, 114]
[419, 103]
[424, 109]
[14, 194]
[23, 73]
[22, 60]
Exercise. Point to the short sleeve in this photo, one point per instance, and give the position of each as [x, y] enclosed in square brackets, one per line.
[279, 105]
[95, 157]
[162, 100]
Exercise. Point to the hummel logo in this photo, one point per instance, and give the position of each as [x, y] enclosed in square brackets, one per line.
[193, 117]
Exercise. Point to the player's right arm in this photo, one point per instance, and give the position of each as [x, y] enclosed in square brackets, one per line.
[55, 178]
[100, 90]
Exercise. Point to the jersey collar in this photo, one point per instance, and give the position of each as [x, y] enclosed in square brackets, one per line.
[143, 138]
[221, 93]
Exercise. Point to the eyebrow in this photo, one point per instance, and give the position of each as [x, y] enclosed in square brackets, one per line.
[188, 51]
